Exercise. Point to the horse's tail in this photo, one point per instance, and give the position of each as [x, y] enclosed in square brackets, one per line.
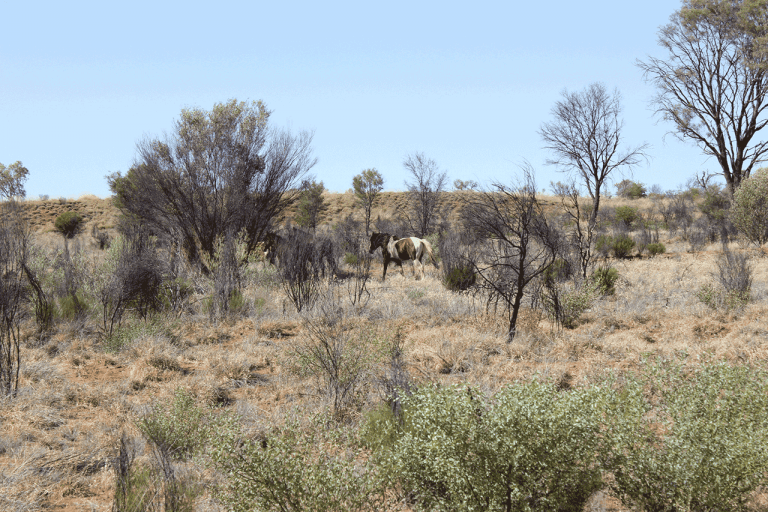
[428, 248]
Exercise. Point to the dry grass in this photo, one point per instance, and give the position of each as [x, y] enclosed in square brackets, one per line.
[75, 400]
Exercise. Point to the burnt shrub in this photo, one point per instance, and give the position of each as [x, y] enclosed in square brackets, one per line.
[458, 269]
[300, 270]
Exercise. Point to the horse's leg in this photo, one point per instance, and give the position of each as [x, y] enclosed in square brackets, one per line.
[384, 275]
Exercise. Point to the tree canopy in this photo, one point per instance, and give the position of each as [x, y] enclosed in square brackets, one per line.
[12, 180]
[713, 83]
[219, 172]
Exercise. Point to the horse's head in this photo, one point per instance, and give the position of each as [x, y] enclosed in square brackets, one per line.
[378, 240]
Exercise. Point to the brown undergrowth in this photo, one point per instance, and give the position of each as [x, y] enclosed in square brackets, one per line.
[58, 437]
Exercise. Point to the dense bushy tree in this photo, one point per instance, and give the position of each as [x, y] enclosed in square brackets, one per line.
[311, 204]
[12, 180]
[220, 172]
[749, 210]
[367, 185]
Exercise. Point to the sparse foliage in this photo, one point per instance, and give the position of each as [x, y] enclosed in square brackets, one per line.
[713, 84]
[424, 193]
[516, 242]
[14, 239]
[585, 140]
[465, 184]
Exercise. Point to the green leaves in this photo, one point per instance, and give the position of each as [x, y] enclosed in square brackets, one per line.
[12, 180]
[527, 448]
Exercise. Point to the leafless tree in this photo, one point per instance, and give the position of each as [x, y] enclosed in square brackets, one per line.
[585, 139]
[424, 192]
[219, 173]
[515, 243]
[713, 84]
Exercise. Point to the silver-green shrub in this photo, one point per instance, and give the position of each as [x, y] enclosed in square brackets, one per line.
[703, 443]
[529, 447]
[294, 468]
[749, 208]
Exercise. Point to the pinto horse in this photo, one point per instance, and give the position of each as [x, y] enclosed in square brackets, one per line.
[399, 250]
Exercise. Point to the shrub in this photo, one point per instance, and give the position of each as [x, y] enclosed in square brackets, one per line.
[458, 270]
[351, 259]
[605, 279]
[72, 307]
[69, 224]
[294, 468]
[575, 302]
[705, 447]
[622, 246]
[529, 447]
[179, 428]
[603, 245]
[460, 278]
[749, 212]
[336, 352]
[627, 215]
[630, 189]
[655, 248]
[734, 274]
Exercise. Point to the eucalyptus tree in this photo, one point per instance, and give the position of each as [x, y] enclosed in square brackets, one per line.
[367, 186]
[713, 84]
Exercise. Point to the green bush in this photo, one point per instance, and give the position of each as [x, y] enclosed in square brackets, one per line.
[460, 278]
[179, 428]
[627, 215]
[237, 302]
[622, 246]
[529, 447]
[73, 306]
[69, 224]
[630, 189]
[124, 335]
[603, 245]
[605, 279]
[576, 301]
[294, 468]
[749, 210]
[704, 447]
[350, 259]
[656, 248]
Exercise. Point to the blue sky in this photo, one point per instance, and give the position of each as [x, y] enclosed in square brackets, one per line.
[467, 84]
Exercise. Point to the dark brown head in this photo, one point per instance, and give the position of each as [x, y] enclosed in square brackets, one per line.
[378, 240]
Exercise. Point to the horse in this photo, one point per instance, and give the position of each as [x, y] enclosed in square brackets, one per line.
[319, 253]
[271, 245]
[398, 250]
